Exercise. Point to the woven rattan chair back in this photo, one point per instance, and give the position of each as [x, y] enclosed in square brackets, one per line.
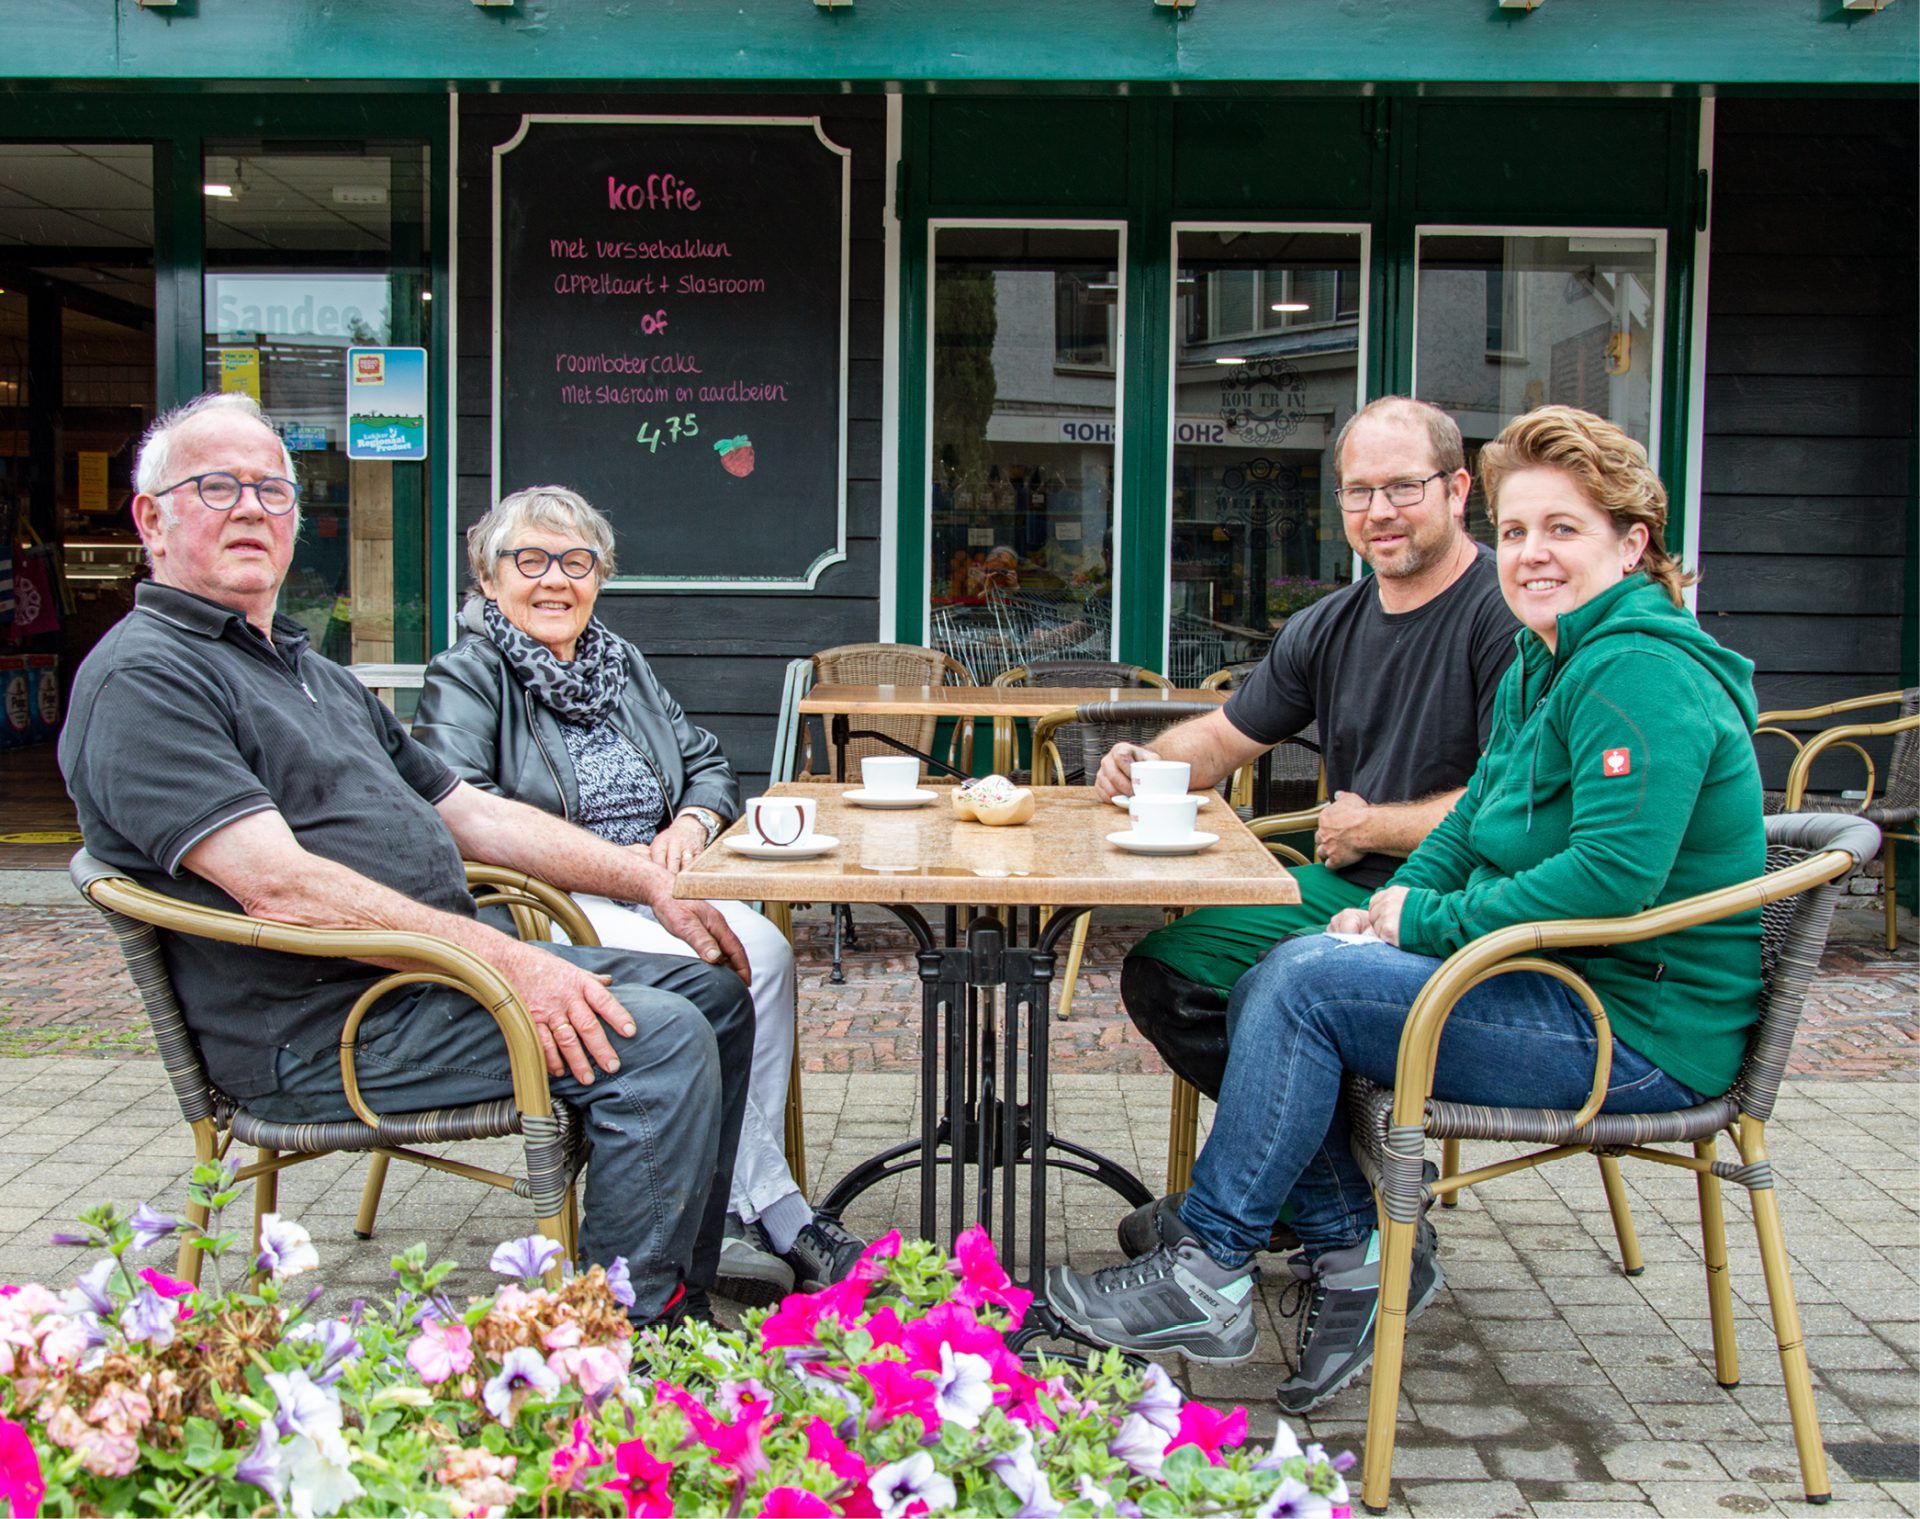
[880, 664]
[1081, 736]
[1079, 747]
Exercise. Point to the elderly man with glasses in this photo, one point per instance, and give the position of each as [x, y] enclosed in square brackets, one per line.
[1399, 671]
[215, 757]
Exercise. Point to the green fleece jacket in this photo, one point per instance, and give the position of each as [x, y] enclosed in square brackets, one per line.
[1619, 775]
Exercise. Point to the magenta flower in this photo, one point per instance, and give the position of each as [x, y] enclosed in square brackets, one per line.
[737, 1446]
[641, 1481]
[824, 1446]
[794, 1503]
[170, 1287]
[949, 1324]
[982, 1279]
[1209, 1429]
[884, 1328]
[442, 1349]
[872, 1263]
[572, 1461]
[897, 1390]
[21, 1483]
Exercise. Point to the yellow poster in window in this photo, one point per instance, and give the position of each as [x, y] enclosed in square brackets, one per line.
[240, 371]
[93, 482]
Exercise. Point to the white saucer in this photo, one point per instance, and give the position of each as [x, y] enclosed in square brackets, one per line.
[753, 849]
[1202, 798]
[1192, 844]
[862, 797]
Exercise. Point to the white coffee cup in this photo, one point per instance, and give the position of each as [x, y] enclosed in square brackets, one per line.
[1160, 777]
[780, 820]
[1164, 819]
[890, 774]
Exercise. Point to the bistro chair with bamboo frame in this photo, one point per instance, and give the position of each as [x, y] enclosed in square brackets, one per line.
[1809, 857]
[555, 1144]
[1895, 811]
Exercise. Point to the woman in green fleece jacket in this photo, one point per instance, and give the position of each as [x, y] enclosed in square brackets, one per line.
[1619, 775]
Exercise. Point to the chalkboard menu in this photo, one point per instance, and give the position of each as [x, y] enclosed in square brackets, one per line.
[670, 331]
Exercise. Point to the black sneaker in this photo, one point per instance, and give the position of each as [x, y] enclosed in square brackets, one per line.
[1338, 1300]
[1138, 1236]
[750, 1272]
[822, 1254]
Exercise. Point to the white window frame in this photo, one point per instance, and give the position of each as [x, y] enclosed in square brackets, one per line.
[1657, 320]
[937, 225]
[1364, 231]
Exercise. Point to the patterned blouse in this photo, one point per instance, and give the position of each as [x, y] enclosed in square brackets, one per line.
[620, 795]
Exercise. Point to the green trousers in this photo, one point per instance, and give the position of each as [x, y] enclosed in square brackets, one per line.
[1216, 946]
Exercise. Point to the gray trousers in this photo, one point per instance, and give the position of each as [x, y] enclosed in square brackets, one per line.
[663, 1128]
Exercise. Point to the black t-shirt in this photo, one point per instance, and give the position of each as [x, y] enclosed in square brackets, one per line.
[184, 719]
[1404, 699]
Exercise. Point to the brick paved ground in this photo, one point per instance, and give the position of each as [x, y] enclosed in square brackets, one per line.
[63, 991]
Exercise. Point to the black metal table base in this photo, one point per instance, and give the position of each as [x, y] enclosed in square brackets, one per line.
[973, 1111]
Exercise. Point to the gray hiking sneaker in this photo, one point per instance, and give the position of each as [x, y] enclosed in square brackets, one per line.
[1138, 1229]
[1338, 1298]
[823, 1253]
[750, 1272]
[1175, 1297]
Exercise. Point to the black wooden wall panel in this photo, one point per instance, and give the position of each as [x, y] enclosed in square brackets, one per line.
[1810, 398]
[724, 656]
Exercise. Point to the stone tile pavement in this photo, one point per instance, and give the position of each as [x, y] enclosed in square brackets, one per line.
[1541, 1381]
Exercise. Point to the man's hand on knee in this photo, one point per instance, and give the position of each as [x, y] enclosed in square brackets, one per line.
[567, 1005]
[705, 932]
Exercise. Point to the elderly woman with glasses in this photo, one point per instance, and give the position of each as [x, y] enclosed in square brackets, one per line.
[540, 701]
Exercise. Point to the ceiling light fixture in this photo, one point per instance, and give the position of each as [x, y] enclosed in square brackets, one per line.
[426, 295]
[1231, 359]
[216, 191]
[1291, 306]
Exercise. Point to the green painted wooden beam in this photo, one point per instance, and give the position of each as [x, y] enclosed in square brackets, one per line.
[436, 41]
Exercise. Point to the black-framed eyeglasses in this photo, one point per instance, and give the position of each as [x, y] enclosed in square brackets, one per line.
[575, 564]
[221, 492]
[1359, 498]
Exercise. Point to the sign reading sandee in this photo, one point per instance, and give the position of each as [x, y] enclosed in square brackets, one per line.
[386, 403]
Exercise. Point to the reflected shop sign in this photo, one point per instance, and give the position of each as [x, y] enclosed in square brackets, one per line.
[330, 309]
[1308, 432]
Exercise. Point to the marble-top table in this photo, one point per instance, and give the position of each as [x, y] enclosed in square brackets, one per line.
[984, 1079]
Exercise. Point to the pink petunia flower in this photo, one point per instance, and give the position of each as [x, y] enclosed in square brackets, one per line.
[872, 1263]
[168, 1287]
[1209, 1429]
[442, 1349]
[898, 1390]
[983, 1280]
[737, 1446]
[794, 1503]
[641, 1481]
[21, 1484]
[572, 1461]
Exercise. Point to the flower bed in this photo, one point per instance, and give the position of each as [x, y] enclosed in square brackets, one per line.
[890, 1395]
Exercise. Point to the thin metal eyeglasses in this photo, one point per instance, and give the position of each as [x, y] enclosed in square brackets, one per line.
[575, 564]
[1359, 498]
[221, 492]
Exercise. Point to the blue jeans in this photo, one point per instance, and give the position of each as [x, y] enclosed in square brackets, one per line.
[1316, 1008]
[662, 1129]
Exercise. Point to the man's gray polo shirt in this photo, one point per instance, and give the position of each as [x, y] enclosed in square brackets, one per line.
[184, 719]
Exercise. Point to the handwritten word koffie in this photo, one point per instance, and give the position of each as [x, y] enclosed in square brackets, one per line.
[657, 192]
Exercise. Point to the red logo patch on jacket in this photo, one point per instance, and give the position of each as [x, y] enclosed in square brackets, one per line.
[1617, 762]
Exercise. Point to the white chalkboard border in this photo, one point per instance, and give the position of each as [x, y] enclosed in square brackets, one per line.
[637, 583]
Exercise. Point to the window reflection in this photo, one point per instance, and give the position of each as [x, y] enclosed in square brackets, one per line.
[1508, 323]
[1267, 371]
[1025, 350]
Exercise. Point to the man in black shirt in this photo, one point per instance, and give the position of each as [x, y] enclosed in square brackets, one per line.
[1398, 669]
[214, 757]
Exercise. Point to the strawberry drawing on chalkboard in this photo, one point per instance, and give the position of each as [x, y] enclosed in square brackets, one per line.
[736, 455]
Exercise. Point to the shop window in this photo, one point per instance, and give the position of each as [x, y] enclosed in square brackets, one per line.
[1027, 340]
[1267, 368]
[1507, 321]
[312, 250]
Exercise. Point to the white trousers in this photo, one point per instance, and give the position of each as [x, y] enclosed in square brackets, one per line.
[760, 1174]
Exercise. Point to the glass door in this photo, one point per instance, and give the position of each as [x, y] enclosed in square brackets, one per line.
[311, 250]
[1268, 364]
[1026, 345]
[1506, 320]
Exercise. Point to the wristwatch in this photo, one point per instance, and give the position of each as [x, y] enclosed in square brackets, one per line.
[707, 818]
